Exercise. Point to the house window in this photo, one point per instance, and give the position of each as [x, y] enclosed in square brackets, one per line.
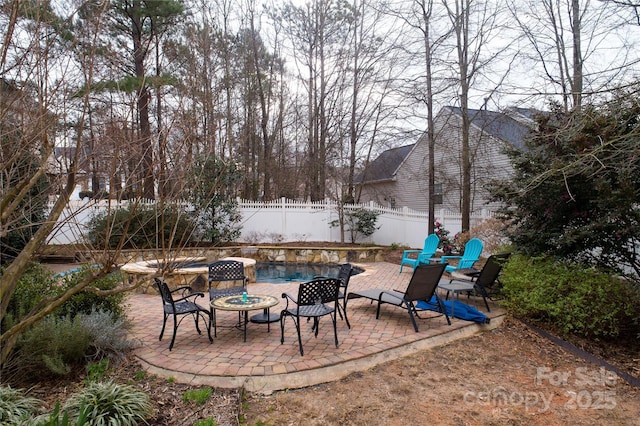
[392, 202]
[437, 193]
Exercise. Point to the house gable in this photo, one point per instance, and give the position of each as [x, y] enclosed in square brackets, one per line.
[379, 181]
[384, 167]
[491, 132]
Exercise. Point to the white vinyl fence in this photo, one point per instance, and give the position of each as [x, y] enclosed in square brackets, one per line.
[286, 220]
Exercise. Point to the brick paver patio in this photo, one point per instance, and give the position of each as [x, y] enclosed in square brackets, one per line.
[262, 364]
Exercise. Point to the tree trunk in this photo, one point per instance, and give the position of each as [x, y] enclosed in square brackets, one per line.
[144, 100]
[577, 81]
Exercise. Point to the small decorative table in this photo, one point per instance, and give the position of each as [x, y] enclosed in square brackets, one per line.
[456, 288]
[253, 302]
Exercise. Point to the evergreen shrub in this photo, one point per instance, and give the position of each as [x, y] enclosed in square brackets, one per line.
[58, 346]
[141, 227]
[581, 301]
[85, 302]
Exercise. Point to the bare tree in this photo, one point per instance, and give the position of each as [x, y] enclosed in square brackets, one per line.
[318, 31]
[475, 24]
[27, 74]
[580, 48]
[632, 5]
[423, 17]
[49, 82]
[374, 66]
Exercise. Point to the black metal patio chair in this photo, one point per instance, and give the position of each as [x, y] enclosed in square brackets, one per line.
[224, 272]
[344, 275]
[180, 307]
[486, 281]
[316, 298]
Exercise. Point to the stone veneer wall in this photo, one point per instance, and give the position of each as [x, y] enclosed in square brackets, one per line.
[331, 255]
[313, 255]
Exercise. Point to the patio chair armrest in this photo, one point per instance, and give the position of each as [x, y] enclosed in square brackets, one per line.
[195, 295]
[425, 256]
[466, 274]
[288, 298]
[389, 294]
[406, 252]
[185, 290]
[444, 258]
[462, 280]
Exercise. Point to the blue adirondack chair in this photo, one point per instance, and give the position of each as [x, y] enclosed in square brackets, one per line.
[415, 257]
[472, 251]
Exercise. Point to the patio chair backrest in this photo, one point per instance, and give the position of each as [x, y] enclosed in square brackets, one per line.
[424, 281]
[431, 244]
[472, 251]
[344, 275]
[491, 270]
[226, 270]
[322, 290]
[164, 291]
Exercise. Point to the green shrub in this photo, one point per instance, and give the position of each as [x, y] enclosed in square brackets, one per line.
[359, 221]
[97, 371]
[35, 284]
[109, 403]
[141, 227]
[86, 302]
[579, 300]
[210, 189]
[86, 325]
[53, 346]
[15, 407]
[107, 334]
[39, 283]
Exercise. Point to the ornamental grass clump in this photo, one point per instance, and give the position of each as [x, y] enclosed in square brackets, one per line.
[109, 403]
[107, 334]
[15, 408]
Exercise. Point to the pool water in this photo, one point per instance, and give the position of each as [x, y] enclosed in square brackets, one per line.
[281, 272]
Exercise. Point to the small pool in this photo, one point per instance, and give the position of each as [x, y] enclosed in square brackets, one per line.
[286, 272]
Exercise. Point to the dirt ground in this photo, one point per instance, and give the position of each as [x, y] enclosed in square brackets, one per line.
[509, 376]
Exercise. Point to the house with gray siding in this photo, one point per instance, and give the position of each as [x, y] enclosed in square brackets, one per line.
[399, 176]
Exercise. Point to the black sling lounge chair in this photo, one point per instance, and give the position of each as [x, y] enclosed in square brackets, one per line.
[422, 286]
[485, 282]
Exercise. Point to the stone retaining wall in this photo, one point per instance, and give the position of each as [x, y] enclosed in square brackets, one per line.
[330, 255]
